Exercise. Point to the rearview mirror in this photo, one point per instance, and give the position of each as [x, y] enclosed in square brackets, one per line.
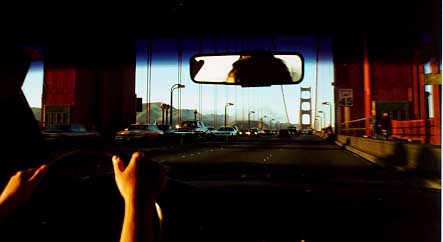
[248, 69]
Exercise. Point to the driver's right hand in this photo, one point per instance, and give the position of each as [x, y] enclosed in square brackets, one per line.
[141, 181]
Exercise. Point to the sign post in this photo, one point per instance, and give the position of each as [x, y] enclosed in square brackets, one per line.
[346, 100]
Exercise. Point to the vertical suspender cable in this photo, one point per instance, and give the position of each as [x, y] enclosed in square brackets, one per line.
[242, 94]
[200, 87]
[215, 92]
[316, 78]
[179, 78]
[235, 87]
[274, 46]
[149, 86]
[226, 86]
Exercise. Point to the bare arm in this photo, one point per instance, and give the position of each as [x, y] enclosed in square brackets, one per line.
[139, 184]
[19, 189]
[138, 223]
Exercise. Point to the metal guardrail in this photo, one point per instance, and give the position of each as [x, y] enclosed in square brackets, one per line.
[422, 130]
[353, 129]
[350, 122]
[355, 120]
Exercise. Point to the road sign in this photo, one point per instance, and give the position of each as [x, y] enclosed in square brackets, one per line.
[345, 97]
[433, 79]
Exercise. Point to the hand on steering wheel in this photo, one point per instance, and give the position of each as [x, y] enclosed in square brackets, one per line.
[19, 189]
[141, 180]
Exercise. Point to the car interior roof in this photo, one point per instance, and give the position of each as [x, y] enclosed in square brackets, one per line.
[43, 23]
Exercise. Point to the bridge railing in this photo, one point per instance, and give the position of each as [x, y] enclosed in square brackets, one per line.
[420, 130]
[354, 127]
[426, 131]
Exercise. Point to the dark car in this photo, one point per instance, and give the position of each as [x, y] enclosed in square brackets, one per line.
[242, 132]
[195, 127]
[284, 133]
[139, 132]
[192, 131]
[255, 132]
[293, 131]
[70, 133]
[164, 127]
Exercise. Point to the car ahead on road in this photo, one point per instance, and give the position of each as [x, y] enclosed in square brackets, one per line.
[270, 132]
[225, 132]
[242, 132]
[211, 131]
[194, 126]
[284, 133]
[70, 133]
[164, 127]
[192, 131]
[139, 132]
[255, 132]
[308, 131]
[293, 131]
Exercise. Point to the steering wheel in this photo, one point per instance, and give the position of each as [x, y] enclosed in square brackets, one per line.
[78, 197]
[78, 188]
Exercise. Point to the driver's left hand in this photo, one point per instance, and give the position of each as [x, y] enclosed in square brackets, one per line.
[19, 189]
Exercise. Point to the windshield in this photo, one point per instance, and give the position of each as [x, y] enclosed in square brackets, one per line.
[357, 130]
[188, 124]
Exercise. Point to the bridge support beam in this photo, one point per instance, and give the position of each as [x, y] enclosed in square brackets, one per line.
[96, 81]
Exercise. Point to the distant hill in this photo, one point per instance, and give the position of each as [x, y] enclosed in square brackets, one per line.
[36, 112]
[208, 119]
[187, 114]
[156, 113]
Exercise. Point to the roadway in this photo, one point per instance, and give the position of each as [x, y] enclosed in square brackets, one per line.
[304, 155]
[302, 150]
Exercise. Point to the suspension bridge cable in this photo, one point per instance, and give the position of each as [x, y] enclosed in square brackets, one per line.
[316, 77]
[274, 46]
[200, 87]
[149, 79]
[180, 59]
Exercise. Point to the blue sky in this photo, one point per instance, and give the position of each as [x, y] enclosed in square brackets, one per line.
[263, 100]
[33, 84]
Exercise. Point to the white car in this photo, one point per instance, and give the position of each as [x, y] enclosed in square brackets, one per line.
[225, 132]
